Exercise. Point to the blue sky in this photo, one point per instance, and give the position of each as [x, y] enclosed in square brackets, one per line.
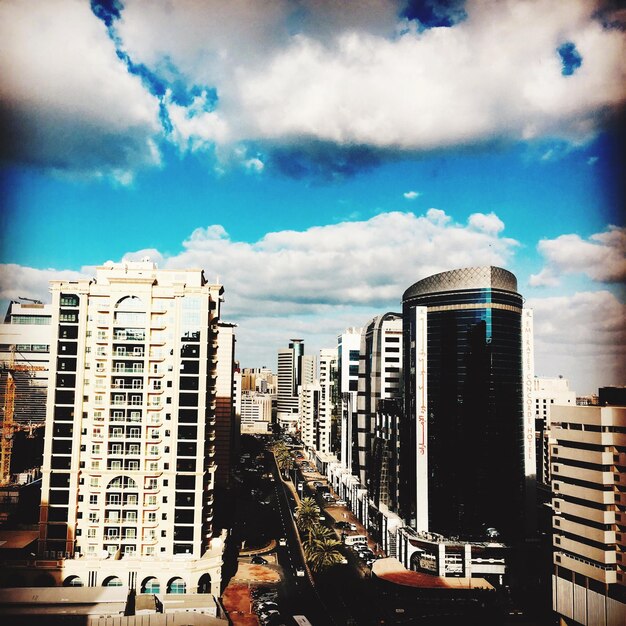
[338, 158]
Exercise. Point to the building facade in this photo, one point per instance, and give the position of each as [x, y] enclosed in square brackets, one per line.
[256, 413]
[589, 514]
[348, 347]
[130, 446]
[464, 406]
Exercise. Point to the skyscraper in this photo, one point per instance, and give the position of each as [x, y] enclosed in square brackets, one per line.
[294, 369]
[129, 458]
[348, 345]
[464, 405]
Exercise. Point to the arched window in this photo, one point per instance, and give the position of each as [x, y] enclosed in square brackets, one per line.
[122, 482]
[112, 581]
[150, 585]
[73, 581]
[176, 585]
[204, 584]
[130, 303]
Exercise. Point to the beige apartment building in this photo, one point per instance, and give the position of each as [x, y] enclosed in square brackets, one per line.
[129, 458]
[589, 514]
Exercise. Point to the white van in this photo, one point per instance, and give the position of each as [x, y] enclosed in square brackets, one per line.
[350, 539]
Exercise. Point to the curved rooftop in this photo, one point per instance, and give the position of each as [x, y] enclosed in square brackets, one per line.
[485, 277]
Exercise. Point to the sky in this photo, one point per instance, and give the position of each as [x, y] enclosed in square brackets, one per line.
[317, 158]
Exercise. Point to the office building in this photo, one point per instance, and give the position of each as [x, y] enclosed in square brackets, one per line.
[309, 415]
[25, 338]
[466, 445]
[380, 360]
[256, 413]
[328, 418]
[130, 446]
[348, 346]
[589, 514]
[294, 370]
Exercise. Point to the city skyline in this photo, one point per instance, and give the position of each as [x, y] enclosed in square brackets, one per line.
[331, 162]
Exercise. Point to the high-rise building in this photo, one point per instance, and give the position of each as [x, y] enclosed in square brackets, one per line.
[328, 398]
[546, 393]
[25, 338]
[289, 372]
[380, 388]
[380, 357]
[348, 346]
[294, 370]
[130, 446]
[256, 413]
[589, 514]
[466, 455]
[309, 411]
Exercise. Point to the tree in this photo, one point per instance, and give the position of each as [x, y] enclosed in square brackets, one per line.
[323, 553]
[308, 516]
[283, 457]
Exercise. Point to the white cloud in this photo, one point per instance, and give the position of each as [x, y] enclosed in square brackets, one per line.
[315, 283]
[67, 100]
[309, 71]
[495, 75]
[582, 337]
[602, 257]
[411, 195]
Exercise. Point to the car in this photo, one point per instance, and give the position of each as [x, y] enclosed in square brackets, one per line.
[343, 525]
[258, 560]
[352, 526]
[264, 607]
[264, 617]
[282, 541]
[341, 503]
[300, 572]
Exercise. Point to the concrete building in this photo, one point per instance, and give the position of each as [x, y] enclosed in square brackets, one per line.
[546, 393]
[464, 401]
[256, 413]
[130, 446]
[328, 413]
[380, 361]
[348, 346]
[589, 505]
[309, 411]
[294, 370]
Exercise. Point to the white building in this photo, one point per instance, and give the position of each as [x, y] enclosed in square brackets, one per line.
[256, 413]
[129, 459]
[328, 408]
[546, 393]
[348, 346]
[589, 522]
[25, 338]
[289, 377]
[309, 411]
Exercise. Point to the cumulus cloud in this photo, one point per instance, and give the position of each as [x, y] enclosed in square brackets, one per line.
[601, 257]
[411, 195]
[319, 86]
[66, 100]
[581, 336]
[17, 281]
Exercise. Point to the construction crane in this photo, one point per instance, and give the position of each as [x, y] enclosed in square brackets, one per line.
[9, 425]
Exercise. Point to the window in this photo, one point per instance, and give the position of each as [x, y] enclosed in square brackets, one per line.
[93, 517]
[93, 499]
[95, 448]
[91, 533]
[95, 481]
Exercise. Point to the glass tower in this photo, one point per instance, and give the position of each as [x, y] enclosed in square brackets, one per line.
[471, 429]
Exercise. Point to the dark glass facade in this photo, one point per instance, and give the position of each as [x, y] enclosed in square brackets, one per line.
[475, 412]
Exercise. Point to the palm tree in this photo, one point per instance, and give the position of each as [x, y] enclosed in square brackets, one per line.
[308, 515]
[283, 457]
[323, 553]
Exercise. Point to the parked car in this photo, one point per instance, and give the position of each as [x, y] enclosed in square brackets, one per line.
[299, 572]
[341, 503]
[352, 526]
[282, 541]
[343, 525]
[264, 607]
[258, 560]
